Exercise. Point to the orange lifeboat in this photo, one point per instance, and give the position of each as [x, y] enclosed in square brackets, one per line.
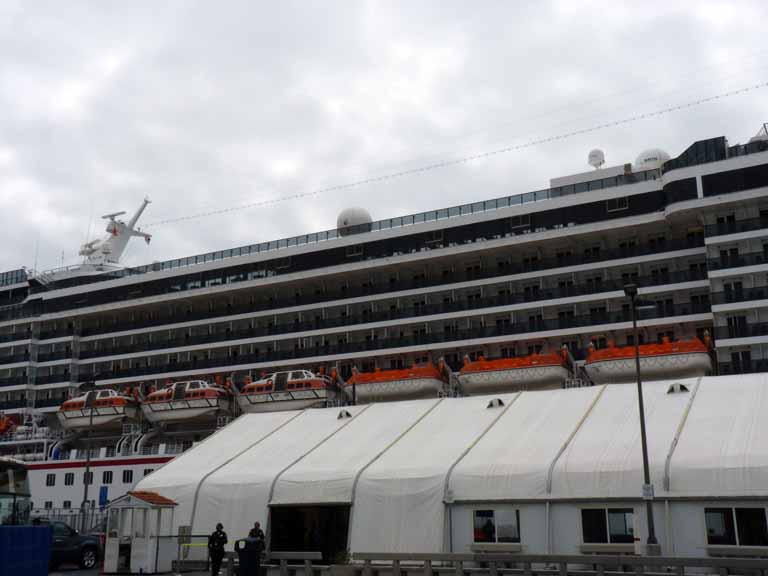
[7, 425]
[686, 359]
[536, 371]
[290, 390]
[110, 408]
[425, 381]
[181, 401]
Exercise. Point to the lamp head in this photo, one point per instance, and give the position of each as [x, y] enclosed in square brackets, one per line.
[630, 290]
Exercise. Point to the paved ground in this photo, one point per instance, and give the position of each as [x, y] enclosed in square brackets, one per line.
[73, 570]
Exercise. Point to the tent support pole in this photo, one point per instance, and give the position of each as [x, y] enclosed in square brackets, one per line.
[547, 528]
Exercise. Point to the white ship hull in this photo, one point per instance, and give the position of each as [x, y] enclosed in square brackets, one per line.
[182, 410]
[664, 367]
[524, 378]
[102, 416]
[280, 401]
[396, 389]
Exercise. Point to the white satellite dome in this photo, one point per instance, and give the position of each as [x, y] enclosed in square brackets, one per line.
[354, 216]
[650, 159]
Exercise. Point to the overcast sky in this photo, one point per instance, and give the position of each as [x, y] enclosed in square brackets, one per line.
[207, 105]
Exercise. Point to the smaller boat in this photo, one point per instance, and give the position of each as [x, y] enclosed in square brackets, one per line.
[192, 400]
[289, 390]
[532, 372]
[685, 359]
[110, 408]
[425, 381]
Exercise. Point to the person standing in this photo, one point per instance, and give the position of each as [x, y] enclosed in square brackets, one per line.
[259, 543]
[216, 542]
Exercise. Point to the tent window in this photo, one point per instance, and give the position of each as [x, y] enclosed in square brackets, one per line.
[607, 526]
[496, 525]
[736, 526]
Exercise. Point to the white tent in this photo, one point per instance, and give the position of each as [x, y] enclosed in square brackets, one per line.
[399, 465]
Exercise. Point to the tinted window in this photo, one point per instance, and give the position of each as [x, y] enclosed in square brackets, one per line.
[593, 526]
[508, 526]
[60, 530]
[719, 523]
[621, 527]
[751, 525]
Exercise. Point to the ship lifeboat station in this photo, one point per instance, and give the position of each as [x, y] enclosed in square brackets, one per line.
[535, 471]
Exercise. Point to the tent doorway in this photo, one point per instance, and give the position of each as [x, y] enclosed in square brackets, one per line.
[310, 529]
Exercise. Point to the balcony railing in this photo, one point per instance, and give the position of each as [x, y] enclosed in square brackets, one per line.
[14, 358]
[743, 330]
[743, 295]
[748, 367]
[737, 261]
[15, 336]
[374, 344]
[48, 402]
[13, 380]
[50, 356]
[13, 404]
[746, 225]
[414, 312]
[446, 280]
[52, 378]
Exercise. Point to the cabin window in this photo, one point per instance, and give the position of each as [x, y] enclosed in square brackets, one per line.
[88, 478]
[67, 504]
[496, 526]
[297, 375]
[127, 476]
[736, 526]
[193, 386]
[148, 471]
[106, 477]
[607, 525]
[615, 204]
[50, 480]
[69, 479]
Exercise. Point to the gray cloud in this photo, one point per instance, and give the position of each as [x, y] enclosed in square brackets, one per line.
[204, 105]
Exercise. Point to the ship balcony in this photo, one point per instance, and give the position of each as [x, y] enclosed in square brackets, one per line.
[741, 330]
[55, 355]
[52, 378]
[736, 227]
[741, 295]
[13, 380]
[14, 358]
[599, 290]
[737, 261]
[746, 367]
[442, 280]
[15, 337]
[12, 404]
[49, 402]
[536, 328]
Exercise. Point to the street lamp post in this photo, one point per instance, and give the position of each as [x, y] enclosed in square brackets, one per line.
[89, 403]
[631, 291]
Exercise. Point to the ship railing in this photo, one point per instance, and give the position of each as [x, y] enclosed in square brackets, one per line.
[494, 563]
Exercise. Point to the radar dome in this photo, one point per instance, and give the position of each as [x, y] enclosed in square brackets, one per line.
[356, 218]
[596, 158]
[651, 159]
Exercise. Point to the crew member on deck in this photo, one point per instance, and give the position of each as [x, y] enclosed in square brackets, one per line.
[216, 542]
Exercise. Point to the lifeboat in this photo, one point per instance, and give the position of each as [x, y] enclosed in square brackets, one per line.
[7, 425]
[657, 361]
[536, 371]
[110, 408]
[193, 400]
[424, 381]
[290, 390]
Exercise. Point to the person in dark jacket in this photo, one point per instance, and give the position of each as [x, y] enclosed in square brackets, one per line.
[259, 542]
[216, 542]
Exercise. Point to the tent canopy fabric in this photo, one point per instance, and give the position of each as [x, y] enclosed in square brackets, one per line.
[397, 463]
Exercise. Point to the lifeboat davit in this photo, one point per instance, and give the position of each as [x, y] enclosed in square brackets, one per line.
[536, 371]
[425, 381]
[110, 408]
[193, 400]
[289, 390]
[663, 361]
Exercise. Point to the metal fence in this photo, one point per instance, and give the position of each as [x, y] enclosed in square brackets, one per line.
[95, 518]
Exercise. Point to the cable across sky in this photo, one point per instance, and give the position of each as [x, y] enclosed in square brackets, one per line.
[465, 159]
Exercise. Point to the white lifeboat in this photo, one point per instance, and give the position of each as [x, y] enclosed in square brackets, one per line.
[533, 372]
[424, 381]
[110, 408]
[192, 400]
[667, 360]
[290, 390]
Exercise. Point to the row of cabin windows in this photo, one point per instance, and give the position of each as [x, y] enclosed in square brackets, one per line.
[106, 477]
[725, 526]
[297, 386]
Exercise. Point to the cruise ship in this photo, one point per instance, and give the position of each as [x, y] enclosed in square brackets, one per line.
[118, 369]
